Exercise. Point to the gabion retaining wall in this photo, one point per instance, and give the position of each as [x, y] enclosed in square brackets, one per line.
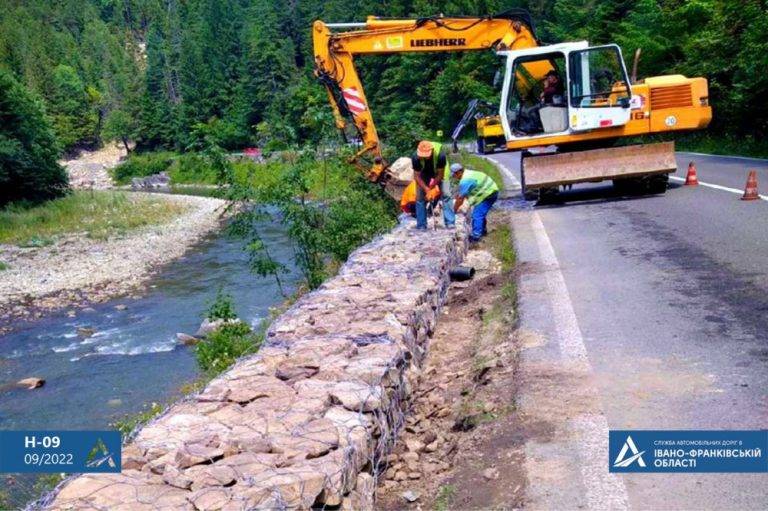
[307, 421]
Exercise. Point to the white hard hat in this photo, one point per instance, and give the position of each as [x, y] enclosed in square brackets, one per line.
[456, 167]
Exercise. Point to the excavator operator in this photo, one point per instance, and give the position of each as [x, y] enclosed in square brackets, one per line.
[553, 89]
[430, 171]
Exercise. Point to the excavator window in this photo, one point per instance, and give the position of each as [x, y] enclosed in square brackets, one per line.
[598, 78]
[529, 94]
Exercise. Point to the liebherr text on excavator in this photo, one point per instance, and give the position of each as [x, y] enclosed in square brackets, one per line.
[597, 106]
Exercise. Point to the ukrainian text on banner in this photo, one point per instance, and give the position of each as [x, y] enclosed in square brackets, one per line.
[687, 451]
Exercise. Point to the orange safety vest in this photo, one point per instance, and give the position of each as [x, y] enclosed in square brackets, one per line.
[408, 200]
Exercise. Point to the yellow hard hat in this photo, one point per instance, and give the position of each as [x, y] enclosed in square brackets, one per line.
[424, 149]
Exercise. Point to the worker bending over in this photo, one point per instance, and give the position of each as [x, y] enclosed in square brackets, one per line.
[430, 172]
[480, 191]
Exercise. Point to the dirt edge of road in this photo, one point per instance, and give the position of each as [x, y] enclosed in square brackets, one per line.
[462, 447]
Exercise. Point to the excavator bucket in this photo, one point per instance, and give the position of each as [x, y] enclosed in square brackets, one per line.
[552, 170]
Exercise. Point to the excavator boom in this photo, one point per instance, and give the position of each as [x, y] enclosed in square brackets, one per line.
[335, 52]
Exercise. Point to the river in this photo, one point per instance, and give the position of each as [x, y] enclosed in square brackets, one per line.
[133, 357]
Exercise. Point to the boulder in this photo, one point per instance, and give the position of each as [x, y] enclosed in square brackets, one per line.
[208, 326]
[186, 339]
[85, 331]
[402, 170]
[31, 383]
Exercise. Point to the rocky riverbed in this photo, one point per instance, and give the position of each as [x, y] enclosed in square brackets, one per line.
[77, 269]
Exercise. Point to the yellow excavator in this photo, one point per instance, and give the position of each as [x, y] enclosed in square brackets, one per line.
[565, 132]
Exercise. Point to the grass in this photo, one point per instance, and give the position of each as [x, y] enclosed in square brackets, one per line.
[127, 424]
[3, 266]
[497, 322]
[702, 142]
[100, 214]
[445, 494]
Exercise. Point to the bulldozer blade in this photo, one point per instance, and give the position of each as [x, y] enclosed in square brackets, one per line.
[552, 170]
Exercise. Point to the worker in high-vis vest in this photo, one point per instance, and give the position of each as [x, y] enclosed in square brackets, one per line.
[480, 191]
[432, 176]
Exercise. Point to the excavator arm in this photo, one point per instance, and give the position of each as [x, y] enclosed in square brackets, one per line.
[334, 54]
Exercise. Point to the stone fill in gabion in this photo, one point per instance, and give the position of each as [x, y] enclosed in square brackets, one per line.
[308, 419]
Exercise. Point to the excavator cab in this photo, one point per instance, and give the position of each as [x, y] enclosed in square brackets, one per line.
[593, 93]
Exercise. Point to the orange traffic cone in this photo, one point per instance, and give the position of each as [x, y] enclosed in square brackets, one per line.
[690, 178]
[750, 191]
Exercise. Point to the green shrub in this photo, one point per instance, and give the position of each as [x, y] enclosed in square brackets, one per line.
[222, 307]
[28, 148]
[127, 424]
[192, 168]
[222, 347]
[142, 165]
[355, 219]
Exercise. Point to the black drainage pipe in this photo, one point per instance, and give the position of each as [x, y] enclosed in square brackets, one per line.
[461, 273]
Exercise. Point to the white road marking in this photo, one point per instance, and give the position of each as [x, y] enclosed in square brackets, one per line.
[605, 490]
[716, 187]
[747, 158]
[508, 174]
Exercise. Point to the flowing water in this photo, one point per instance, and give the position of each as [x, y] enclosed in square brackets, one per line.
[132, 358]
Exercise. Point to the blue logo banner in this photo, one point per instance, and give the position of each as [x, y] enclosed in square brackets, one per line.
[60, 451]
[687, 451]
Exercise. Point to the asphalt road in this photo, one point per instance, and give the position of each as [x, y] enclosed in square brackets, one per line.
[665, 302]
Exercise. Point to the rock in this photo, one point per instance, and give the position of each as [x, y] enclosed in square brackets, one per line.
[186, 339]
[31, 383]
[429, 437]
[176, 478]
[436, 399]
[410, 456]
[400, 475]
[414, 445]
[431, 447]
[402, 170]
[208, 326]
[414, 475]
[491, 474]
[357, 396]
[411, 495]
[154, 182]
[85, 331]
[210, 498]
[121, 306]
[114, 403]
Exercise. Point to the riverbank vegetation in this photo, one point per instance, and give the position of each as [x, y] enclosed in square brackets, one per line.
[98, 214]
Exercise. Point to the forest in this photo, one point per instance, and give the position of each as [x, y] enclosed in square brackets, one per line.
[159, 73]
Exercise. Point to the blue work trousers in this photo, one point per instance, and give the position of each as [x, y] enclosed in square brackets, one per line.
[449, 217]
[479, 216]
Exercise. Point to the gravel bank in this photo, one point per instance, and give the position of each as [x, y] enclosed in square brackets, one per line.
[77, 268]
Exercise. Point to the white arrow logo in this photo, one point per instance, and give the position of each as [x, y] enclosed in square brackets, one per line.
[629, 445]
